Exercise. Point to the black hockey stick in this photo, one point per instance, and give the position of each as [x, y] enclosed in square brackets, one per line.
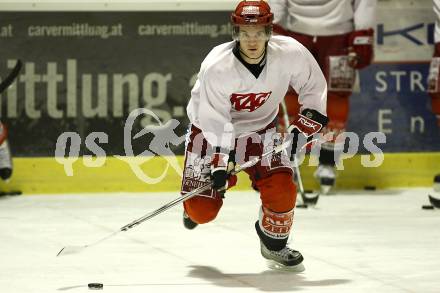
[306, 200]
[180, 199]
[11, 77]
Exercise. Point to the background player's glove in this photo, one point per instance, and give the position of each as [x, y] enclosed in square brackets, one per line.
[360, 50]
[304, 126]
[434, 82]
[221, 166]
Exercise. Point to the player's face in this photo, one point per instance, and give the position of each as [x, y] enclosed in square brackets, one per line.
[252, 40]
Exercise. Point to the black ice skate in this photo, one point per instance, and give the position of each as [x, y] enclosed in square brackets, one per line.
[285, 259]
[326, 176]
[5, 161]
[188, 223]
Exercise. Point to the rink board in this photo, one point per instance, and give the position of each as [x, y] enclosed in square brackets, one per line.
[96, 89]
[45, 175]
[71, 83]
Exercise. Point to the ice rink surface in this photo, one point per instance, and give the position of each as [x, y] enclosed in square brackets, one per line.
[370, 241]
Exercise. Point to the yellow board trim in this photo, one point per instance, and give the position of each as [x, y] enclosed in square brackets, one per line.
[46, 175]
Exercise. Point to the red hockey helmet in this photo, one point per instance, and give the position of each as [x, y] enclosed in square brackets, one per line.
[254, 12]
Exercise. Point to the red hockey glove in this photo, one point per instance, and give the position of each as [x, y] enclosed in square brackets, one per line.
[434, 82]
[360, 50]
[221, 166]
[305, 125]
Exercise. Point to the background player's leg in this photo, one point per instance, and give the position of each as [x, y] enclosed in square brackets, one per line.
[332, 55]
[337, 111]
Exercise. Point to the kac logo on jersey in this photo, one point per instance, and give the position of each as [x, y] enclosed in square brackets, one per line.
[249, 102]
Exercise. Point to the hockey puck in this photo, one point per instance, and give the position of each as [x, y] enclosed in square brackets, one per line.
[369, 187]
[95, 286]
[427, 207]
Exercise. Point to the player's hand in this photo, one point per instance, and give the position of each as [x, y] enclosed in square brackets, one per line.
[360, 50]
[304, 126]
[221, 167]
[219, 180]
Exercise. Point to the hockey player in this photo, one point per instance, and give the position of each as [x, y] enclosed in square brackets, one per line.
[339, 34]
[434, 78]
[5, 154]
[233, 104]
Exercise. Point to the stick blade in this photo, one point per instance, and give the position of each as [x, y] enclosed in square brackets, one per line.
[71, 250]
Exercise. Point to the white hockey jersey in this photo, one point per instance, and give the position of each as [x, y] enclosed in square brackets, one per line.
[437, 21]
[227, 93]
[324, 17]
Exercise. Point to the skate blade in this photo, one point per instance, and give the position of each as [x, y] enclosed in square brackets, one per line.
[325, 189]
[280, 267]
